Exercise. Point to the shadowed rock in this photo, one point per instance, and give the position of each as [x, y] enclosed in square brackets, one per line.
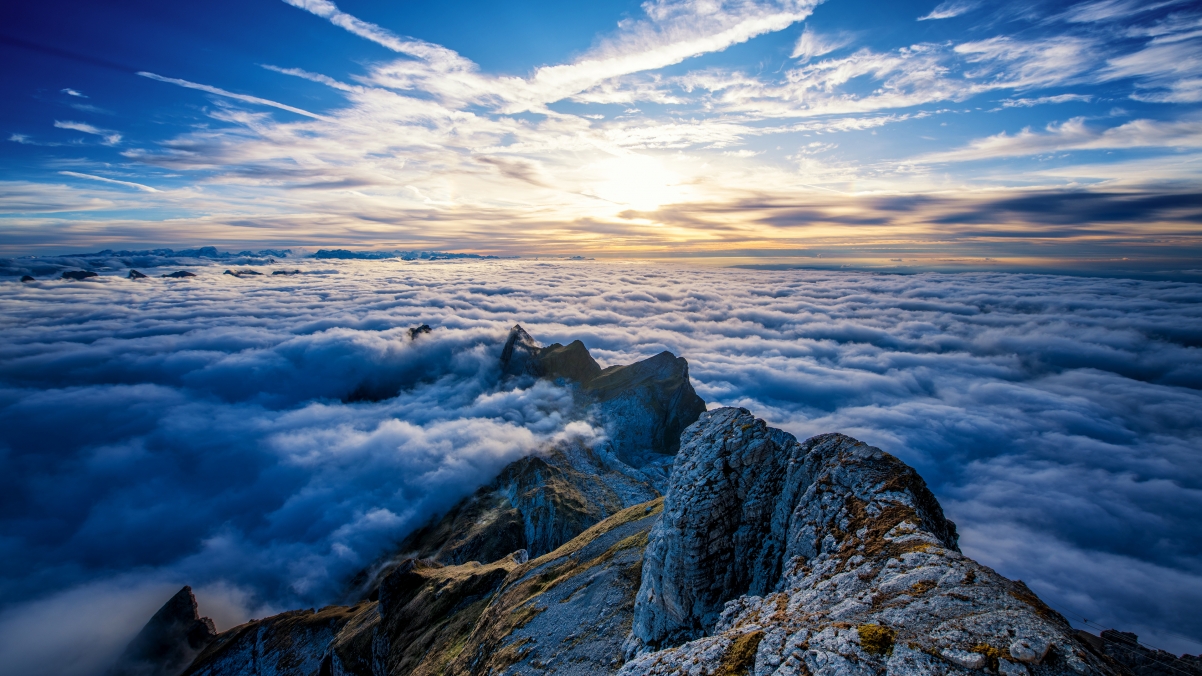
[134, 274]
[27, 278]
[169, 642]
[79, 274]
[180, 274]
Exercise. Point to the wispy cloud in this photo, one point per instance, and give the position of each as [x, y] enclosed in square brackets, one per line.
[92, 177]
[73, 92]
[811, 44]
[950, 9]
[1075, 134]
[228, 94]
[1044, 100]
[110, 137]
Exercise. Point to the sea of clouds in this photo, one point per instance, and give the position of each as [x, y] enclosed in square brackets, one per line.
[166, 432]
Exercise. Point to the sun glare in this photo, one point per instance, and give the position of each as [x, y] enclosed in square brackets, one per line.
[635, 181]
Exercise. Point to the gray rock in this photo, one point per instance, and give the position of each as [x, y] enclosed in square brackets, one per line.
[839, 554]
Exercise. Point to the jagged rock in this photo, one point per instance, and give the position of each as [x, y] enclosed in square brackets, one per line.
[241, 273]
[134, 274]
[169, 642]
[293, 643]
[771, 557]
[536, 504]
[1124, 647]
[27, 278]
[643, 406]
[567, 612]
[832, 556]
[180, 274]
[79, 274]
[416, 331]
[285, 272]
[519, 357]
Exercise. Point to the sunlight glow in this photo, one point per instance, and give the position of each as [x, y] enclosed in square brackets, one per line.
[635, 181]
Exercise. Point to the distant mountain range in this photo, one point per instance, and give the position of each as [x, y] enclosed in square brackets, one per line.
[110, 259]
[688, 542]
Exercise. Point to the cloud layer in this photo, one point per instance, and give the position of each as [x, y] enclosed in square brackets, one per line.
[161, 433]
[684, 106]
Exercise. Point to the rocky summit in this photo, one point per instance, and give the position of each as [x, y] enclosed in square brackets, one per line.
[687, 542]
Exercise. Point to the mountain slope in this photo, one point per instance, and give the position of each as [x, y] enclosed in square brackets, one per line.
[764, 556]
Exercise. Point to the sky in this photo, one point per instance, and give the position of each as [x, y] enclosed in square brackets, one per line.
[165, 432]
[1020, 132]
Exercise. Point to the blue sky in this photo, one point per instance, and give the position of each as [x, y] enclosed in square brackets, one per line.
[1014, 130]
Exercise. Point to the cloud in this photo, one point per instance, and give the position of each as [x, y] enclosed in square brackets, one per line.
[72, 92]
[1043, 100]
[111, 138]
[128, 184]
[221, 92]
[950, 9]
[165, 433]
[1074, 134]
[811, 44]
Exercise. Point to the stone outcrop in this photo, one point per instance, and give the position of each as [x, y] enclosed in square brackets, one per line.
[134, 274]
[1124, 647]
[826, 556]
[179, 274]
[79, 274]
[643, 406]
[169, 642]
[765, 556]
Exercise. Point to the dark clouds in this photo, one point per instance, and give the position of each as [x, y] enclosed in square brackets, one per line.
[158, 433]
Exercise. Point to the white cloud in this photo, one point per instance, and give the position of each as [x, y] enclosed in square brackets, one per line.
[110, 137]
[221, 92]
[1016, 396]
[1044, 100]
[950, 9]
[91, 177]
[811, 44]
[1169, 72]
[1075, 134]
[72, 92]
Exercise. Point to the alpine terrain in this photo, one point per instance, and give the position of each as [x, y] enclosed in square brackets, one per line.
[688, 542]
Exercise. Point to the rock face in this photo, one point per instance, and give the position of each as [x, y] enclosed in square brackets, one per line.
[1124, 647]
[180, 274]
[644, 406]
[765, 556]
[169, 642]
[79, 274]
[134, 274]
[540, 502]
[824, 557]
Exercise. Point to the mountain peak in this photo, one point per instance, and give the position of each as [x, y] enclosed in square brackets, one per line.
[169, 642]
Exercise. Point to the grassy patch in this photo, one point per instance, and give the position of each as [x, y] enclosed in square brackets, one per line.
[875, 639]
[739, 658]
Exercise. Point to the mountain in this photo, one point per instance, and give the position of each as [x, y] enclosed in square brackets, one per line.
[169, 642]
[688, 542]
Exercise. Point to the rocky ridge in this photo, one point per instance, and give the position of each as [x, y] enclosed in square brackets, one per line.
[689, 542]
